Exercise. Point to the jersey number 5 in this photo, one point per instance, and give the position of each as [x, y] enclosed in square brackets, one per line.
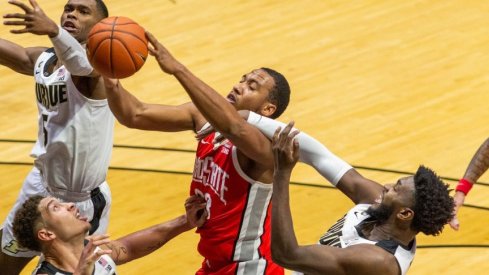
[44, 122]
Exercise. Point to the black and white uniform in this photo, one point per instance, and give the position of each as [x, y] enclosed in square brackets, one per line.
[103, 266]
[346, 232]
[72, 151]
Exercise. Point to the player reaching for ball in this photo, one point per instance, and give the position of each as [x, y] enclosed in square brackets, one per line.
[75, 133]
[233, 176]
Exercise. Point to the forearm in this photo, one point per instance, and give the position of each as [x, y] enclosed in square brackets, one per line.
[312, 151]
[123, 104]
[479, 163]
[71, 53]
[284, 241]
[142, 243]
[215, 108]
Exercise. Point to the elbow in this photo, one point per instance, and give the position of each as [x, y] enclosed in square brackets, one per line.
[486, 142]
[124, 119]
[283, 257]
[131, 118]
[235, 129]
[129, 122]
[278, 257]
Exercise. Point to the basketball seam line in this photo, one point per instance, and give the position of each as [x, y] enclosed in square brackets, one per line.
[128, 52]
[110, 46]
[128, 23]
[125, 32]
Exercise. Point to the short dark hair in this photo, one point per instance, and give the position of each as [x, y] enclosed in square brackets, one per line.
[433, 207]
[280, 93]
[25, 221]
[102, 8]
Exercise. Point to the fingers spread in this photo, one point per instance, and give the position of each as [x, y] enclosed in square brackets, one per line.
[34, 4]
[15, 15]
[15, 23]
[20, 5]
[19, 31]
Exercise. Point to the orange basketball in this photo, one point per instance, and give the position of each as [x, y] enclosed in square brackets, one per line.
[117, 47]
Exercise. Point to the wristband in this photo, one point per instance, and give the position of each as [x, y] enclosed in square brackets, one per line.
[464, 186]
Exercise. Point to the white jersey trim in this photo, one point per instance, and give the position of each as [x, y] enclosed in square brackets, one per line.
[242, 173]
[246, 250]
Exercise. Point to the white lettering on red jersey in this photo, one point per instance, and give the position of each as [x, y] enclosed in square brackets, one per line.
[236, 237]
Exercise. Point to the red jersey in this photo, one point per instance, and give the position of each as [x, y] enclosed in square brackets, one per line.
[236, 237]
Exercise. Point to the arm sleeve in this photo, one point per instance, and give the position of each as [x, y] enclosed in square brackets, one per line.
[71, 53]
[312, 152]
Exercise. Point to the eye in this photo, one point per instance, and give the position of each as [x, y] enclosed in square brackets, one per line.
[253, 85]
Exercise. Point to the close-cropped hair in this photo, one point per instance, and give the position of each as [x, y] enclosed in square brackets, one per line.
[102, 8]
[433, 203]
[280, 93]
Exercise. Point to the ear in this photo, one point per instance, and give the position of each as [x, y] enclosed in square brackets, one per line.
[45, 235]
[268, 109]
[406, 214]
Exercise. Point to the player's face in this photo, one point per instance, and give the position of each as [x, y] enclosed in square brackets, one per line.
[394, 198]
[252, 91]
[63, 219]
[78, 18]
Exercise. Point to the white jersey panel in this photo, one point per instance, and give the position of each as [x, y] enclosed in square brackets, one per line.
[344, 234]
[75, 134]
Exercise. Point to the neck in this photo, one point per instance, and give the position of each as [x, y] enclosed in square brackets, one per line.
[64, 255]
[390, 231]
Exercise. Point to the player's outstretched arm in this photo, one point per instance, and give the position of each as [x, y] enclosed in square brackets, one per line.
[67, 48]
[476, 168]
[360, 259]
[331, 167]
[133, 113]
[18, 58]
[143, 242]
[214, 107]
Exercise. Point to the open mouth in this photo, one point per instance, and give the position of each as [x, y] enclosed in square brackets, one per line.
[69, 26]
[80, 217]
[231, 98]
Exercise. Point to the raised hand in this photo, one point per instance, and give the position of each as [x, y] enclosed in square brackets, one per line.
[195, 207]
[33, 19]
[166, 61]
[90, 255]
[285, 147]
[458, 200]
